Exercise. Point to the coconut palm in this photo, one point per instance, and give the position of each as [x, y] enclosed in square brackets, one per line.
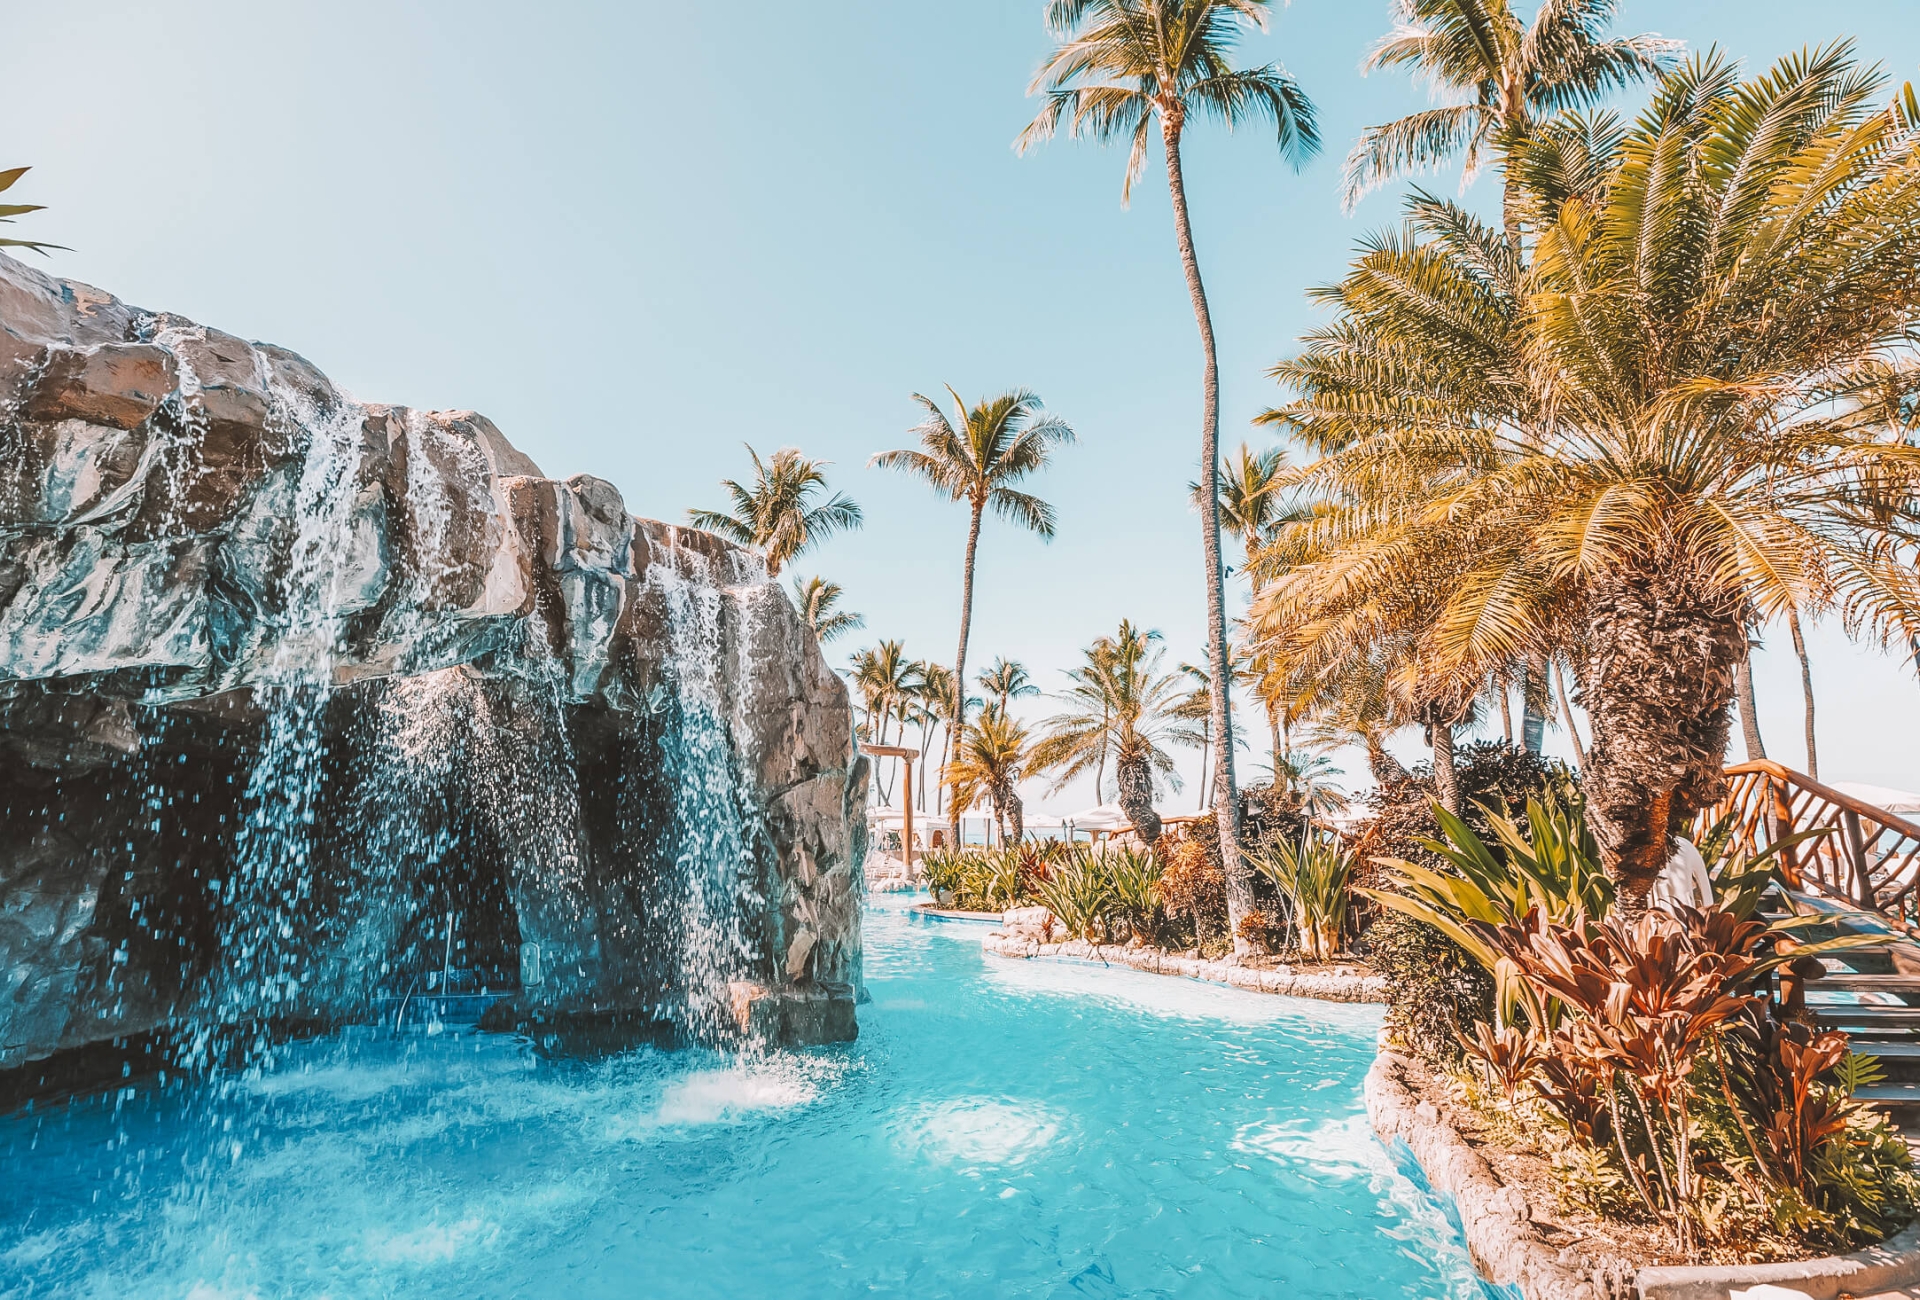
[1006, 680]
[992, 759]
[1708, 307]
[1308, 777]
[976, 458]
[1250, 500]
[779, 513]
[883, 676]
[1118, 701]
[1122, 67]
[816, 599]
[1506, 76]
[8, 211]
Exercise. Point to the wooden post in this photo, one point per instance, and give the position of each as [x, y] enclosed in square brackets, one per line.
[906, 830]
[1783, 827]
[1857, 851]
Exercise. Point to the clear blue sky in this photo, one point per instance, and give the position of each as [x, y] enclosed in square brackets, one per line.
[638, 234]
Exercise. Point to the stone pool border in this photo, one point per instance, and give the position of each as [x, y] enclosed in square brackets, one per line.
[1506, 1249]
[1326, 987]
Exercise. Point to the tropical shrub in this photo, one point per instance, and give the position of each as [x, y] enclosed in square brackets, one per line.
[1436, 993]
[1080, 894]
[1193, 886]
[1312, 873]
[1134, 876]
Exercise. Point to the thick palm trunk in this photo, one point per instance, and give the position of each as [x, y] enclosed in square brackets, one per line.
[1445, 779]
[1219, 664]
[1135, 778]
[1806, 689]
[1664, 651]
[1749, 718]
[957, 728]
[1566, 711]
[1505, 689]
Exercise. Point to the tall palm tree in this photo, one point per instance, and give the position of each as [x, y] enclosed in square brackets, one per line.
[930, 697]
[1806, 687]
[992, 759]
[778, 514]
[976, 458]
[1006, 680]
[1120, 68]
[1714, 294]
[1506, 76]
[1119, 700]
[1195, 709]
[883, 675]
[816, 599]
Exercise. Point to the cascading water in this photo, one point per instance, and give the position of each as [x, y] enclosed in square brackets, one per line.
[713, 876]
[265, 895]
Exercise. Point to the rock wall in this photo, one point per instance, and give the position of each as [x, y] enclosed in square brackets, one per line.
[293, 686]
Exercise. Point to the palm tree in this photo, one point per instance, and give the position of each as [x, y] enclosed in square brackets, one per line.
[1507, 76]
[1806, 687]
[816, 598]
[1712, 297]
[1119, 700]
[992, 759]
[930, 698]
[777, 514]
[1195, 708]
[1250, 501]
[1121, 67]
[1308, 777]
[1006, 680]
[883, 675]
[8, 211]
[975, 459]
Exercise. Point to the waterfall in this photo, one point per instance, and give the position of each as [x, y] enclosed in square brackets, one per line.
[264, 897]
[713, 868]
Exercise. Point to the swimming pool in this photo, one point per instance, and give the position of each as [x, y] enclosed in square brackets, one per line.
[1000, 1129]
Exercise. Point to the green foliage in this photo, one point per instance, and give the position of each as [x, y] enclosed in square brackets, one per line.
[1134, 877]
[1856, 1071]
[1080, 894]
[1313, 874]
[1435, 991]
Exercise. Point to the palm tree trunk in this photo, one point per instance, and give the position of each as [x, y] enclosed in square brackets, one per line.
[1749, 717]
[1279, 741]
[1506, 707]
[958, 726]
[1665, 649]
[1445, 778]
[1219, 663]
[1806, 689]
[1566, 711]
[1206, 772]
[1381, 764]
[1100, 768]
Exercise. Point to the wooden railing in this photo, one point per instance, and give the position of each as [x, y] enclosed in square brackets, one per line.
[1863, 855]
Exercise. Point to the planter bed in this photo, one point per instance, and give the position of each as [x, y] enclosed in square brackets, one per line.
[1338, 984]
[1517, 1239]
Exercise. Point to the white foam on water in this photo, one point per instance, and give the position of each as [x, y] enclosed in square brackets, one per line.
[1341, 1148]
[433, 1243]
[974, 1131]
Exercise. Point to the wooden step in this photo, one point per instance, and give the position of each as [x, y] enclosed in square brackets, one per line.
[1844, 1017]
[1890, 1094]
[1903, 1050]
[1855, 982]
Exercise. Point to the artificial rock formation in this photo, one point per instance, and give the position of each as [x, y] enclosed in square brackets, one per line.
[304, 700]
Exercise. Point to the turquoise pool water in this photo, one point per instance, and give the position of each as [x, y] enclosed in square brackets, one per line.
[1001, 1129]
